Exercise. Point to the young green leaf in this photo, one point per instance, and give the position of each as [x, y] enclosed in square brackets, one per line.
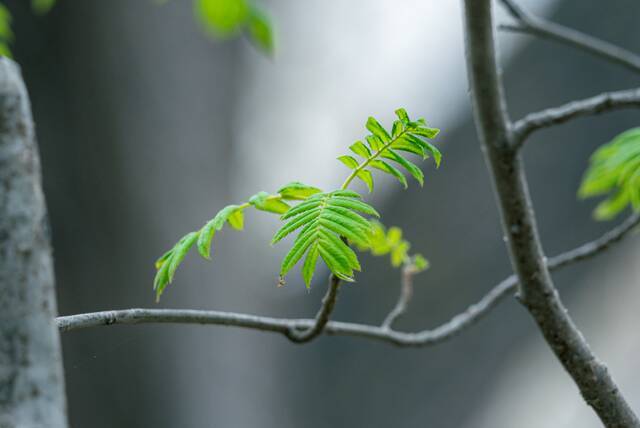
[260, 30]
[270, 203]
[360, 149]
[42, 6]
[615, 170]
[390, 242]
[405, 136]
[376, 129]
[384, 166]
[349, 161]
[169, 262]
[222, 18]
[324, 220]
[297, 191]
[366, 176]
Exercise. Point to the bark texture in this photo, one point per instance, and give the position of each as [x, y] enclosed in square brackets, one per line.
[31, 377]
[536, 290]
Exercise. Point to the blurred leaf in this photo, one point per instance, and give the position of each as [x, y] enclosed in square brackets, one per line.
[222, 18]
[42, 6]
[261, 30]
[615, 170]
[6, 34]
[390, 242]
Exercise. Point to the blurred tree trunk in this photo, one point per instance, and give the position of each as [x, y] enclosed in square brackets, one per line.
[31, 380]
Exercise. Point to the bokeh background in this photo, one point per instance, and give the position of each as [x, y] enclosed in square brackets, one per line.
[147, 127]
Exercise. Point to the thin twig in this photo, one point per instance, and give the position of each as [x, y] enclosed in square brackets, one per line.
[322, 317]
[451, 328]
[536, 290]
[601, 103]
[536, 26]
[406, 292]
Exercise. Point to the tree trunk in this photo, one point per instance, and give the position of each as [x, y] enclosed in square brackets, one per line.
[31, 376]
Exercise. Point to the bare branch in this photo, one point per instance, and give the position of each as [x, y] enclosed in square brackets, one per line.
[536, 289]
[322, 317]
[597, 246]
[536, 26]
[453, 327]
[589, 106]
[406, 293]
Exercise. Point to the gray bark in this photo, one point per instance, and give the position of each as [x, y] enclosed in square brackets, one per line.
[31, 376]
[536, 290]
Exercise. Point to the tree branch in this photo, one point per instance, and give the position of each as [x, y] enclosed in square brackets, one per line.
[406, 293]
[453, 327]
[322, 317]
[536, 289]
[536, 26]
[601, 103]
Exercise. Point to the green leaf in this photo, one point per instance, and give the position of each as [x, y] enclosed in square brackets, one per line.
[349, 161]
[403, 116]
[297, 222]
[406, 136]
[323, 220]
[360, 149]
[309, 266]
[161, 261]
[430, 133]
[297, 191]
[232, 214]
[367, 178]
[433, 150]
[309, 204]
[180, 251]
[374, 142]
[376, 129]
[384, 166]
[353, 204]
[42, 6]
[420, 263]
[269, 203]
[222, 18]
[236, 219]
[397, 129]
[390, 242]
[404, 143]
[410, 167]
[260, 30]
[614, 170]
[169, 262]
[399, 254]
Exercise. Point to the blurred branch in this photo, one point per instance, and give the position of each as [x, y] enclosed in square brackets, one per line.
[601, 103]
[406, 293]
[322, 317]
[536, 290]
[530, 24]
[456, 325]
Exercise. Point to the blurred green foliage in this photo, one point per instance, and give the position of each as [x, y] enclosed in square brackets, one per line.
[614, 170]
[224, 19]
